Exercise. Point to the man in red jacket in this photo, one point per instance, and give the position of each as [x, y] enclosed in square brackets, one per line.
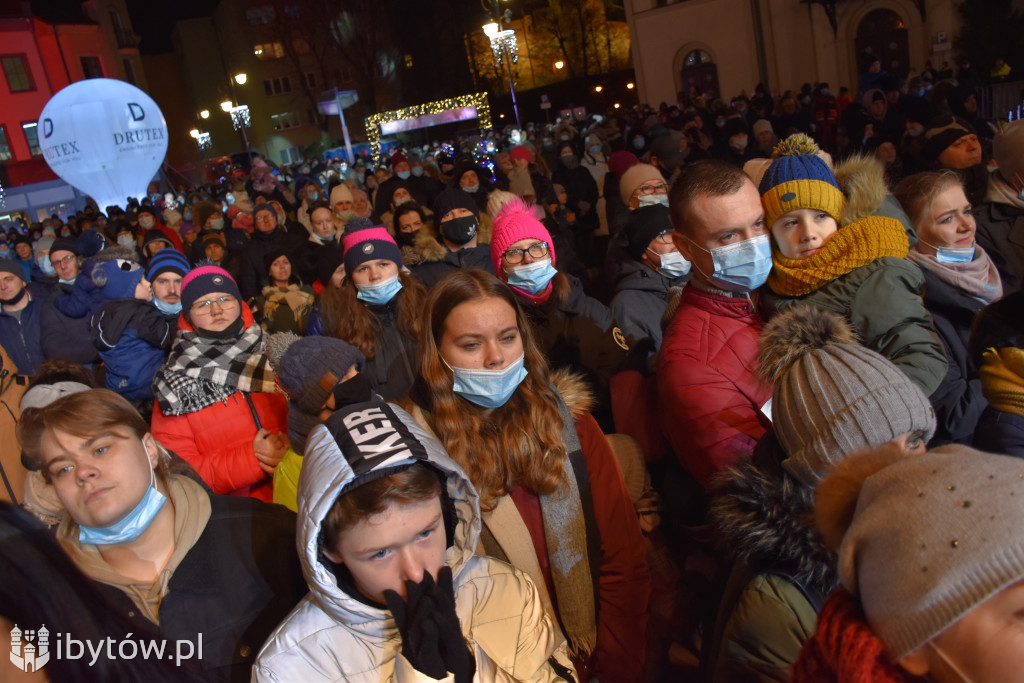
[712, 404]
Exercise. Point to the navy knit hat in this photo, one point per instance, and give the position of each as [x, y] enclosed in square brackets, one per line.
[167, 260]
[90, 243]
[117, 278]
[65, 244]
[450, 199]
[940, 135]
[307, 373]
[206, 280]
[155, 235]
[369, 244]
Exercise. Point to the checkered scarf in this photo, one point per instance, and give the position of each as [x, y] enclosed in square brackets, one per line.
[201, 371]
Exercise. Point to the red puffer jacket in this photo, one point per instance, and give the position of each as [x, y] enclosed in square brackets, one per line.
[217, 440]
[709, 394]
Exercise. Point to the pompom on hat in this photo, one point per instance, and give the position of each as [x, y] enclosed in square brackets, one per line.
[516, 222]
[799, 179]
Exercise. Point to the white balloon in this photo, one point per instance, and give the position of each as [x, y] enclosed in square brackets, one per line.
[105, 137]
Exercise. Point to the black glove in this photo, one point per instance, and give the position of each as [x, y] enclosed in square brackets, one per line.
[415, 620]
[432, 639]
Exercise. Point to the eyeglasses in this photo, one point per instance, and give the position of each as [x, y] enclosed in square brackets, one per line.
[653, 188]
[225, 303]
[538, 250]
[64, 261]
[663, 237]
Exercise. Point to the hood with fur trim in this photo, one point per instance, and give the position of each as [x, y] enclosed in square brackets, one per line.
[432, 249]
[765, 518]
[862, 179]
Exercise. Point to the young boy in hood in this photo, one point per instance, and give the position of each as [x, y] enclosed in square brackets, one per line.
[389, 526]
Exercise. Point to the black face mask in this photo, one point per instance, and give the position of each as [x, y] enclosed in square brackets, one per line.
[570, 162]
[406, 239]
[229, 333]
[356, 389]
[13, 301]
[460, 230]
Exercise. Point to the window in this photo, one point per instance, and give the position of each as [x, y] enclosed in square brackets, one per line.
[260, 15]
[5, 148]
[276, 86]
[286, 120]
[268, 51]
[19, 78]
[91, 67]
[31, 137]
[311, 80]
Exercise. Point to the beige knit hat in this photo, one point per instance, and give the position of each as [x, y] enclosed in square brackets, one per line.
[930, 537]
[636, 176]
[832, 396]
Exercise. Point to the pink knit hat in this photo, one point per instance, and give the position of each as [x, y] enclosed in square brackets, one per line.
[206, 280]
[369, 244]
[516, 222]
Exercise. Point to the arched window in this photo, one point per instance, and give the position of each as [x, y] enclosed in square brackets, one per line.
[700, 74]
[883, 34]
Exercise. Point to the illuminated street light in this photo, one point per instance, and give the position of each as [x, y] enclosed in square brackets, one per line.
[491, 30]
[616, 105]
[503, 47]
[629, 86]
[204, 114]
[598, 88]
[559, 64]
[226, 105]
[240, 79]
[194, 133]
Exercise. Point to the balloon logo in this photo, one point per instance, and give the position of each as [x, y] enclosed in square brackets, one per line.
[105, 137]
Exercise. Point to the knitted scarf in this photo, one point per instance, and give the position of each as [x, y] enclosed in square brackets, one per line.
[855, 245]
[844, 649]
[201, 371]
[573, 542]
[293, 298]
[979, 278]
[1002, 379]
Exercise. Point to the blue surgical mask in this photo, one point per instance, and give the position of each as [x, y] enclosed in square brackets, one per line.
[595, 150]
[417, 171]
[673, 264]
[133, 524]
[5, 252]
[953, 254]
[46, 266]
[380, 293]
[471, 189]
[741, 266]
[326, 240]
[653, 200]
[489, 388]
[166, 308]
[532, 278]
[404, 175]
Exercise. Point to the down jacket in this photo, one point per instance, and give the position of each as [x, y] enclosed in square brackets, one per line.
[333, 636]
[709, 394]
[640, 299]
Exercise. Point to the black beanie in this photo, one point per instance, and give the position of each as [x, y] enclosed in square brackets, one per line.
[450, 199]
[328, 258]
[644, 225]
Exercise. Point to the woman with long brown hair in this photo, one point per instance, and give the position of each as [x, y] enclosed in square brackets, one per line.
[556, 506]
[376, 308]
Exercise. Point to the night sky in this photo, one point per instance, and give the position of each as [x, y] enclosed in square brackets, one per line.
[153, 20]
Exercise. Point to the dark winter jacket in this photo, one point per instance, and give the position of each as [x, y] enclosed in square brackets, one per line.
[999, 432]
[395, 365]
[21, 335]
[86, 298]
[640, 299]
[234, 586]
[959, 400]
[582, 194]
[782, 571]
[63, 336]
[133, 338]
[1001, 234]
[437, 266]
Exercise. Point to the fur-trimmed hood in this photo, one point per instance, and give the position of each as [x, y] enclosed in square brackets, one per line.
[115, 252]
[862, 179]
[431, 248]
[764, 518]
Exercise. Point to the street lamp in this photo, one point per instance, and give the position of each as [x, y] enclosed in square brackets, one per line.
[204, 114]
[503, 47]
[226, 105]
[240, 79]
[559, 64]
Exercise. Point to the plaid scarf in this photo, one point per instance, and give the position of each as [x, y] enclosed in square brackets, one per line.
[201, 371]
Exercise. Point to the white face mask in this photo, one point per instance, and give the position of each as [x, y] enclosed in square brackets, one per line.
[652, 200]
[673, 264]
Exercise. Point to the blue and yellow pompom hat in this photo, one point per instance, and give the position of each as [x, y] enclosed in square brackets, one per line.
[799, 179]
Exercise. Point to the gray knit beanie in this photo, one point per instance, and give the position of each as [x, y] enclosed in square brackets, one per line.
[932, 537]
[832, 396]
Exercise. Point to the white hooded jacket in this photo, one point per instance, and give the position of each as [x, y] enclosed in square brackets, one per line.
[332, 636]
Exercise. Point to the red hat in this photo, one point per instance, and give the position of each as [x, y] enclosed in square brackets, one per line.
[521, 152]
[398, 158]
[621, 161]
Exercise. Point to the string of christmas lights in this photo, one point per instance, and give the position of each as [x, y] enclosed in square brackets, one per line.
[374, 121]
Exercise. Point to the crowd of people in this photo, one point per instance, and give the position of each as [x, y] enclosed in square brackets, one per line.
[694, 392]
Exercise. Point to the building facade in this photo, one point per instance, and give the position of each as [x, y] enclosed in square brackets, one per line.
[729, 46]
